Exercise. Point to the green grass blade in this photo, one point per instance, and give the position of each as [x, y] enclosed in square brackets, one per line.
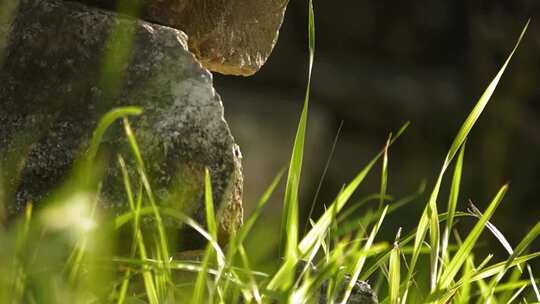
[289, 224]
[381, 260]
[457, 261]
[18, 286]
[522, 246]
[164, 247]
[138, 241]
[209, 205]
[202, 277]
[360, 203]
[237, 240]
[323, 176]
[514, 279]
[310, 289]
[361, 258]
[434, 237]
[343, 197]
[213, 228]
[124, 288]
[454, 148]
[394, 272]
[419, 237]
[252, 284]
[533, 283]
[452, 204]
[482, 273]
[248, 224]
[465, 290]
[525, 242]
[495, 269]
[384, 173]
[515, 295]
[105, 123]
[123, 219]
[480, 105]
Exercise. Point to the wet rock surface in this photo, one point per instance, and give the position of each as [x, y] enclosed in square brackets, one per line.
[227, 36]
[67, 64]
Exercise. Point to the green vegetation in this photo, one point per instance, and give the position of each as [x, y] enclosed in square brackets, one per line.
[65, 253]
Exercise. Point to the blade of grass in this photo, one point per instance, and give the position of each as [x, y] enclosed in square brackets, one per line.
[138, 240]
[323, 176]
[360, 203]
[209, 205]
[289, 229]
[289, 224]
[525, 243]
[202, 277]
[456, 144]
[384, 173]
[494, 230]
[465, 291]
[237, 240]
[452, 204]
[17, 269]
[248, 224]
[516, 294]
[104, 124]
[484, 297]
[361, 258]
[74, 263]
[381, 260]
[256, 294]
[481, 104]
[494, 269]
[311, 240]
[533, 283]
[310, 288]
[394, 272]
[522, 246]
[457, 261]
[508, 293]
[325, 220]
[175, 214]
[164, 247]
[434, 236]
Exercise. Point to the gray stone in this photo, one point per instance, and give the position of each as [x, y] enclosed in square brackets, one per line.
[227, 36]
[360, 294]
[67, 64]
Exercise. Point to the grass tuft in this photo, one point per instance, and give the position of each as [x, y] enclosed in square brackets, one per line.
[65, 252]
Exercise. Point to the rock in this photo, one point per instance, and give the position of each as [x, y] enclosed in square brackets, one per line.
[227, 36]
[67, 64]
[361, 293]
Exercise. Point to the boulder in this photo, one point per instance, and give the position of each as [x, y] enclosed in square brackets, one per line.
[66, 65]
[227, 36]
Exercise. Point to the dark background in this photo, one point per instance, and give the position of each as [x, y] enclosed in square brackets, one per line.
[379, 64]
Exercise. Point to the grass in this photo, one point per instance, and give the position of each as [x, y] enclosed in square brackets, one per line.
[66, 253]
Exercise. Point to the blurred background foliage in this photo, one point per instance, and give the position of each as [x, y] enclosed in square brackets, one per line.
[379, 64]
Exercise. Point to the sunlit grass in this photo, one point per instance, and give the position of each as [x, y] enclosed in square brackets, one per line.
[66, 254]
